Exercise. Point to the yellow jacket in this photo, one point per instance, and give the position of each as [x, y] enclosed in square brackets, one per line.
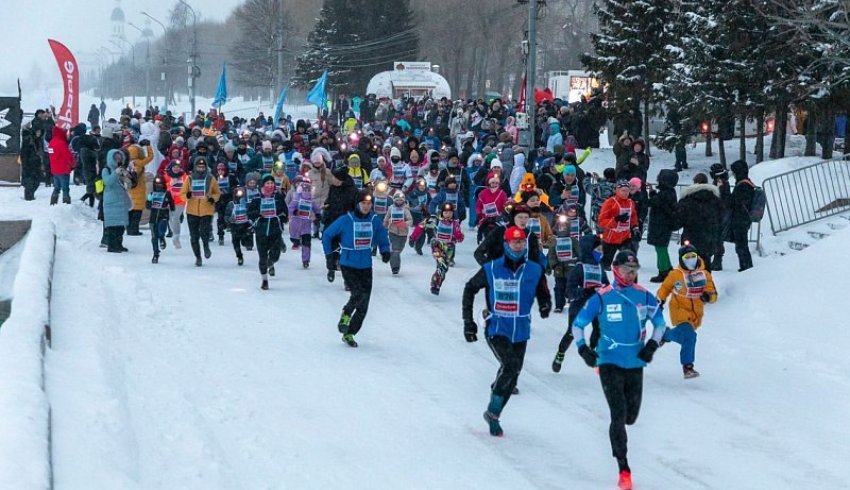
[200, 206]
[139, 157]
[684, 306]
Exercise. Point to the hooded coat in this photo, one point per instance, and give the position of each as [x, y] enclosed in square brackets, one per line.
[340, 199]
[139, 157]
[61, 159]
[700, 212]
[662, 209]
[116, 201]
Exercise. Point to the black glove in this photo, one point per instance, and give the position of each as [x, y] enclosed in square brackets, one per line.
[622, 218]
[636, 234]
[470, 331]
[211, 200]
[411, 242]
[588, 355]
[330, 263]
[545, 309]
[385, 257]
[648, 351]
[705, 296]
[144, 143]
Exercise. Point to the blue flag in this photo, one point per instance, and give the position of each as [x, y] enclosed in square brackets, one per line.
[221, 92]
[317, 95]
[279, 108]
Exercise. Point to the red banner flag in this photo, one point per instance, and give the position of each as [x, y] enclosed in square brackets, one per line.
[69, 114]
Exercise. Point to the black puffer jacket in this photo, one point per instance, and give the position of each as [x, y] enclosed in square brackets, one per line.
[662, 209]
[340, 200]
[493, 247]
[700, 212]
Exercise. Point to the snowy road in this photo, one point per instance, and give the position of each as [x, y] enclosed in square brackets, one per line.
[170, 376]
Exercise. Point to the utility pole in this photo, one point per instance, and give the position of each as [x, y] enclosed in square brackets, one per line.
[279, 50]
[531, 74]
[146, 34]
[194, 71]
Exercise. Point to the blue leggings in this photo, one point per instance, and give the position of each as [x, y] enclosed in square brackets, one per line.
[684, 335]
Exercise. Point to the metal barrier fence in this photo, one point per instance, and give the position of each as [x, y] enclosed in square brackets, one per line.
[807, 194]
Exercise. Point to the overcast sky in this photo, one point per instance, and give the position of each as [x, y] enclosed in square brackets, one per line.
[82, 25]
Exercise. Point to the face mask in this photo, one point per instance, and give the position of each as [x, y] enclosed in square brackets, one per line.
[396, 160]
[597, 255]
[691, 263]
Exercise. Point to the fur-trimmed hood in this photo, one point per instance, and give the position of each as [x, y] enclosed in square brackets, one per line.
[693, 189]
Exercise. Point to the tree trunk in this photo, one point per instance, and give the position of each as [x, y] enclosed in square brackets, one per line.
[646, 140]
[742, 150]
[708, 135]
[760, 136]
[780, 128]
[721, 149]
[470, 75]
[827, 132]
[811, 134]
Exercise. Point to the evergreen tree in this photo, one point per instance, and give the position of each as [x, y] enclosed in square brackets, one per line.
[629, 55]
[355, 39]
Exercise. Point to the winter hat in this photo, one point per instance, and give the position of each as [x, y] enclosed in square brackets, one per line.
[354, 158]
[496, 163]
[492, 176]
[519, 209]
[179, 140]
[569, 170]
[399, 196]
[340, 172]
[514, 233]
[229, 147]
[634, 181]
[626, 257]
[364, 196]
[622, 183]
[740, 168]
[395, 152]
[718, 171]
[267, 145]
[267, 178]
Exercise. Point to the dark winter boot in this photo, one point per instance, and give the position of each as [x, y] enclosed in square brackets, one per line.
[207, 252]
[240, 260]
[198, 262]
[660, 277]
[716, 263]
[305, 264]
[395, 271]
[220, 241]
[66, 199]
[265, 285]
[155, 259]
[556, 364]
[162, 244]
[331, 276]
[689, 371]
[54, 198]
[491, 415]
[271, 270]
[435, 290]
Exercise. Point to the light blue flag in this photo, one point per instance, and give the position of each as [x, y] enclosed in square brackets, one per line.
[279, 108]
[221, 92]
[317, 95]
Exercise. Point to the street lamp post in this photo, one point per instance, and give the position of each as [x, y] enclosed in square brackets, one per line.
[164, 77]
[146, 35]
[133, 61]
[193, 57]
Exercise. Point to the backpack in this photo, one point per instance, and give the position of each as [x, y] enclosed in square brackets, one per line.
[757, 204]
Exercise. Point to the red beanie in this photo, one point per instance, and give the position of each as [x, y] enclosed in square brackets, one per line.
[514, 233]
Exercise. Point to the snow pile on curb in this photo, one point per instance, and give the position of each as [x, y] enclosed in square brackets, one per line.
[24, 409]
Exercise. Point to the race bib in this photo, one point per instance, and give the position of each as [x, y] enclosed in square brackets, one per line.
[358, 181]
[625, 225]
[268, 208]
[398, 173]
[451, 197]
[564, 248]
[422, 199]
[575, 228]
[363, 235]
[695, 284]
[444, 231]
[490, 210]
[592, 276]
[252, 194]
[240, 214]
[305, 208]
[573, 195]
[199, 188]
[506, 294]
[268, 163]
[224, 185]
[157, 200]
[380, 204]
[290, 167]
[534, 226]
[397, 215]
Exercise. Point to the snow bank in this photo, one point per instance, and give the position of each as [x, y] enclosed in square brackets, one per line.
[24, 409]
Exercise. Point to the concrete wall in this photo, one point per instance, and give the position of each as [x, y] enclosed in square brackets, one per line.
[11, 233]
